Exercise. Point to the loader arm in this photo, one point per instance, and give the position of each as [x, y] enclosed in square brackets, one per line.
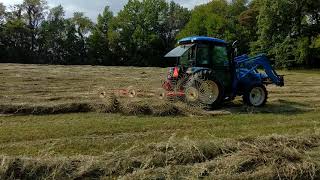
[245, 65]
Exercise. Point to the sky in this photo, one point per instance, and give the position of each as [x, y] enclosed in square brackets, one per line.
[92, 8]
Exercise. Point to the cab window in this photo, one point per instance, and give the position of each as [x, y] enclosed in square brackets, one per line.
[184, 59]
[188, 57]
[220, 56]
[203, 58]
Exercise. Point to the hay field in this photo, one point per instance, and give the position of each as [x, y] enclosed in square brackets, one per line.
[55, 125]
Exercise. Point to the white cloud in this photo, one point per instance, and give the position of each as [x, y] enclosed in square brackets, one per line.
[11, 2]
[191, 3]
[92, 8]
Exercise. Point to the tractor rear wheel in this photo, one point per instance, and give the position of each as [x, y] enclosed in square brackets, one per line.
[203, 89]
[256, 95]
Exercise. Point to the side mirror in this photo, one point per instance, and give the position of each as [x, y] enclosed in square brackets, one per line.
[234, 44]
[235, 48]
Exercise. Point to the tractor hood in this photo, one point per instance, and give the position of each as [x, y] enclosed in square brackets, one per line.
[179, 51]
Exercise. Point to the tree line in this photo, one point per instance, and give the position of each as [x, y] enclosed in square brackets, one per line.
[143, 31]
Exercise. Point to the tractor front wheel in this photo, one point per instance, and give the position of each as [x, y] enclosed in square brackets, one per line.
[256, 95]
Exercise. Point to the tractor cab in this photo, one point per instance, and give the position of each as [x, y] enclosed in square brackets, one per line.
[199, 53]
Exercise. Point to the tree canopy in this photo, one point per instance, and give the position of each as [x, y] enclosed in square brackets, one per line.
[288, 31]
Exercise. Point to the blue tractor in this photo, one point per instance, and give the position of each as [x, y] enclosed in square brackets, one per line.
[208, 72]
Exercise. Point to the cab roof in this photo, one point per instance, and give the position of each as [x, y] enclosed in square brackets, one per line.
[194, 39]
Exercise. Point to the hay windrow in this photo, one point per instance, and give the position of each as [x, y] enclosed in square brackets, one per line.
[110, 105]
[44, 109]
[274, 157]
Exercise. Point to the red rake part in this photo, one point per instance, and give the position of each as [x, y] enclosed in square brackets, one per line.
[175, 94]
[126, 92]
[167, 86]
[132, 93]
[176, 72]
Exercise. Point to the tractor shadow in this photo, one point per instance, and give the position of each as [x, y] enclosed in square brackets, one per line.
[279, 106]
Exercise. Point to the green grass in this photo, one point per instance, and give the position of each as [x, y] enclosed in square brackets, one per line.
[291, 109]
[293, 112]
[39, 84]
[95, 134]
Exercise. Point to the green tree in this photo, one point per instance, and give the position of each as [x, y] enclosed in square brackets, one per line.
[99, 50]
[248, 20]
[287, 30]
[219, 19]
[2, 13]
[144, 30]
[82, 25]
[2, 34]
[177, 18]
[34, 14]
[52, 36]
[129, 33]
[16, 40]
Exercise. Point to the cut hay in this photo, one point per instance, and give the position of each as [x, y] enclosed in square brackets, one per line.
[45, 109]
[274, 157]
[110, 104]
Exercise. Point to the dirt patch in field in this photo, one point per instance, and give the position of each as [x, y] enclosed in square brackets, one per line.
[273, 157]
